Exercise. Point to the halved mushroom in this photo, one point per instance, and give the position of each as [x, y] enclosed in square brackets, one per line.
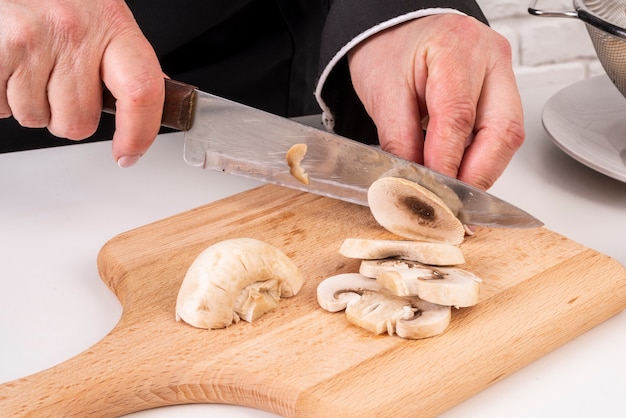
[233, 279]
[369, 306]
[438, 254]
[412, 211]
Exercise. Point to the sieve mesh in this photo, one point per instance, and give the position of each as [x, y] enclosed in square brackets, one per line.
[606, 25]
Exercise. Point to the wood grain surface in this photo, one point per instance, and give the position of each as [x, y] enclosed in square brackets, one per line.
[540, 290]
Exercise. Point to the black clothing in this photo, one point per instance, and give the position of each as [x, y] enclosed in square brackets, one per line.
[264, 53]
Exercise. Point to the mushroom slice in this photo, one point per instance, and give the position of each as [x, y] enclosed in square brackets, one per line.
[432, 320]
[432, 253]
[448, 286]
[407, 209]
[407, 317]
[221, 284]
[372, 268]
[294, 158]
[378, 313]
[335, 292]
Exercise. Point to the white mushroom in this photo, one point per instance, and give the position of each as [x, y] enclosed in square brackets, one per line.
[372, 268]
[433, 320]
[378, 313]
[432, 253]
[412, 211]
[444, 286]
[369, 306]
[233, 279]
[334, 293]
[294, 158]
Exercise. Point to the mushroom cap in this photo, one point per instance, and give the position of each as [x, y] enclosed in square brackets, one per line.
[409, 210]
[217, 276]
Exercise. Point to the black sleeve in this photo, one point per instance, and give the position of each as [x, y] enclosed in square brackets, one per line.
[347, 21]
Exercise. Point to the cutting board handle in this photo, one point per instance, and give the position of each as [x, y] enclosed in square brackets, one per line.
[180, 99]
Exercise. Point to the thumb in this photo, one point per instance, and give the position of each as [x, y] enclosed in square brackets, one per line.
[131, 71]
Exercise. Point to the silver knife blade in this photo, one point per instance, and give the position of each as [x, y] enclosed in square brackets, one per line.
[237, 139]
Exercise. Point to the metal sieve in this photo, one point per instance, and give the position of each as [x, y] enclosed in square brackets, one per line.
[606, 23]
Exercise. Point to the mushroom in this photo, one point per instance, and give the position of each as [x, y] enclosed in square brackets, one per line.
[372, 268]
[236, 278]
[369, 306]
[294, 158]
[444, 286]
[432, 253]
[412, 211]
[335, 292]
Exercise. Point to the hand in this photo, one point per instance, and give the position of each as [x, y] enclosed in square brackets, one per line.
[55, 56]
[455, 72]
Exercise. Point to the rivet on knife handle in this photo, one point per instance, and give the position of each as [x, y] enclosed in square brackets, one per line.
[177, 109]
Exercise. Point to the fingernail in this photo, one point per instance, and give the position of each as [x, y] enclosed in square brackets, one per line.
[128, 160]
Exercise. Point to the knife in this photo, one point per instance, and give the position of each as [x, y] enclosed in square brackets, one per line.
[237, 139]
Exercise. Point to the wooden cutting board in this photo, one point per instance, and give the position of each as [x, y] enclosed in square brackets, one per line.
[540, 290]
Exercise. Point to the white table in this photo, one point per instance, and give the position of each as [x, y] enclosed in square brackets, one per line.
[59, 206]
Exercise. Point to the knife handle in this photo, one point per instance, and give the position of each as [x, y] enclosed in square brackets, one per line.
[177, 109]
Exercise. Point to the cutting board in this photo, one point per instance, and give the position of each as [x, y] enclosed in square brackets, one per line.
[540, 290]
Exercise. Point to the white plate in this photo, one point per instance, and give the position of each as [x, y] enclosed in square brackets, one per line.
[587, 120]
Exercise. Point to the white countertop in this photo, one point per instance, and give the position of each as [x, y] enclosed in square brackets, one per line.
[58, 206]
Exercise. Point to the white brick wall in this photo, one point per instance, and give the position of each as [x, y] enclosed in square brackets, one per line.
[546, 50]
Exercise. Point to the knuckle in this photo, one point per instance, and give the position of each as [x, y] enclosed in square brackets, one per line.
[460, 117]
[32, 120]
[513, 135]
[143, 90]
[20, 37]
[68, 26]
[76, 128]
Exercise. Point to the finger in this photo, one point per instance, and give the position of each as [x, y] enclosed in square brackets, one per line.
[131, 71]
[26, 97]
[399, 126]
[5, 109]
[24, 68]
[499, 130]
[394, 108]
[451, 98]
[75, 97]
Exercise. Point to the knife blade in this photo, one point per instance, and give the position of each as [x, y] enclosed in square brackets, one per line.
[233, 138]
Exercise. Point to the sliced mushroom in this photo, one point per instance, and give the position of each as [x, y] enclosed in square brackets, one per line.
[432, 253]
[444, 286]
[412, 211]
[335, 292]
[294, 158]
[225, 283]
[378, 313]
[407, 317]
[372, 268]
[432, 320]
[369, 306]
